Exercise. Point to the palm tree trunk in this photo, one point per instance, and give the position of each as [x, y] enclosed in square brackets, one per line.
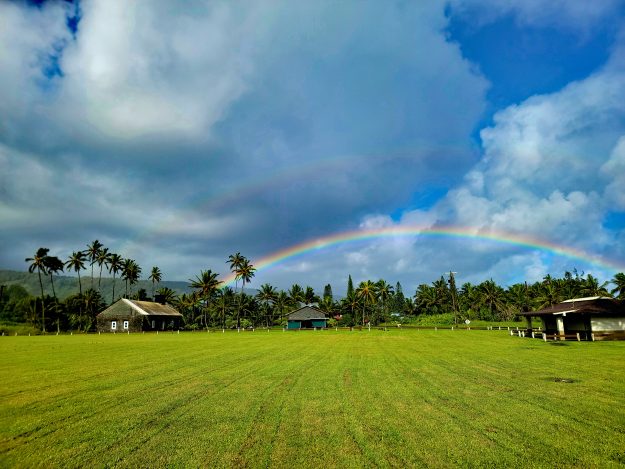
[43, 306]
[56, 304]
[113, 297]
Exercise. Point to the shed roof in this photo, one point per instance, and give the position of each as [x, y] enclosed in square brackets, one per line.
[306, 313]
[593, 305]
[151, 308]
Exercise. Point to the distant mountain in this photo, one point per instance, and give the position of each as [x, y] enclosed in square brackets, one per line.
[66, 285]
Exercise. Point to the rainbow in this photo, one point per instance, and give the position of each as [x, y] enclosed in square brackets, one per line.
[417, 231]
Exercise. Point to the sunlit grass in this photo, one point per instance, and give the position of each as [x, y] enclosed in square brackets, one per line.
[314, 399]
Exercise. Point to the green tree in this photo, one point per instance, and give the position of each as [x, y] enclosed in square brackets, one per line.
[296, 295]
[168, 295]
[327, 292]
[115, 266]
[102, 258]
[368, 293]
[350, 286]
[267, 297]
[54, 265]
[245, 273]
[155, 276]
[385, 294]
[310, 297]
[38, 263]
[619, 285]
[206, 284]
[592, 287]
[92, 252]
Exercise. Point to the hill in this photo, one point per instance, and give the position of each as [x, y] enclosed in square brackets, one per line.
[66, 285]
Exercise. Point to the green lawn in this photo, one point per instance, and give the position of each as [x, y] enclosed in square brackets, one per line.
[313, 399]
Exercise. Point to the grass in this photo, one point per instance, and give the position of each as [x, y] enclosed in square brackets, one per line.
[311, 399]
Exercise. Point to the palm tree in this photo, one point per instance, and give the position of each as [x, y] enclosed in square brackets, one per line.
[92, 253]
[245, 273]
[54, 265]
[155, 276]
[38, 262]
[619, 282]
[593, 288]
[102, 257]
[235, 261]
[281, 304]
[126, 271]
[367, 291]
[224, 302]
[385, 292]
[135, 274]
[296, 295]
[168, 295]
[267, 296]
[492, 296]
[206, 283]
[115, 264]
[77, 262]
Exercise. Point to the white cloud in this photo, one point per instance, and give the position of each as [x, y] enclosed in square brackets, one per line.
[579, 14]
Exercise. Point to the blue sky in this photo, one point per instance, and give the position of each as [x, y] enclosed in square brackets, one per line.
[178, 137]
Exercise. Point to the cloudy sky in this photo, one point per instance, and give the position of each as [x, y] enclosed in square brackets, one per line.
[178, 136]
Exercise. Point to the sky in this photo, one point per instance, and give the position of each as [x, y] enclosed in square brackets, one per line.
[397, 140]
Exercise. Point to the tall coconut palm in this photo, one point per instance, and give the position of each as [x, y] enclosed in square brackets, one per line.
[224, 300]
[38, 263]
[115, 264]
[54, 265]
[155, 276]
[267, 296]
[592, 287]
[385, 293]
[367, 292]
[492, 296]
[206, 283]
[245, 273]
[102, 258]
[168, 295]
[281, 304]
[92, 254]
[619, 283]
[130, 272]
[236, 261]
[296, 295]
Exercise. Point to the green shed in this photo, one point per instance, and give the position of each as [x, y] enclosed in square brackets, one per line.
[307, 317]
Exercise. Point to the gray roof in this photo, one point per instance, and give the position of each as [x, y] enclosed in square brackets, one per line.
[593, 305]
[306, 313]
[144, 308]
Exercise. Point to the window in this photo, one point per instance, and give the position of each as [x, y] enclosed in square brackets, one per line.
[125, 325]
[153, 324]
[113, 325]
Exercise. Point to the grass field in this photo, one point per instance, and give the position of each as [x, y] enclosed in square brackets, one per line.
[312, 399]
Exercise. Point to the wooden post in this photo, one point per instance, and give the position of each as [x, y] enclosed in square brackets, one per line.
[592, 336]
[578, 339]
[544, 337]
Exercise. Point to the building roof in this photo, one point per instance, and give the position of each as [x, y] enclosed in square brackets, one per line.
[306, 313]
[144, 308]
[150, 308]
[592, 305]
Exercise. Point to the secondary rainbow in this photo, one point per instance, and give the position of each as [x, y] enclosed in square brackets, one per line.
[416, 231]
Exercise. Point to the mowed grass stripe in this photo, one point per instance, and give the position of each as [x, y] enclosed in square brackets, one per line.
[335, 399]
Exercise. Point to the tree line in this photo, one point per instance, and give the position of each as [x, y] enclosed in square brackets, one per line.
[213, 304]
